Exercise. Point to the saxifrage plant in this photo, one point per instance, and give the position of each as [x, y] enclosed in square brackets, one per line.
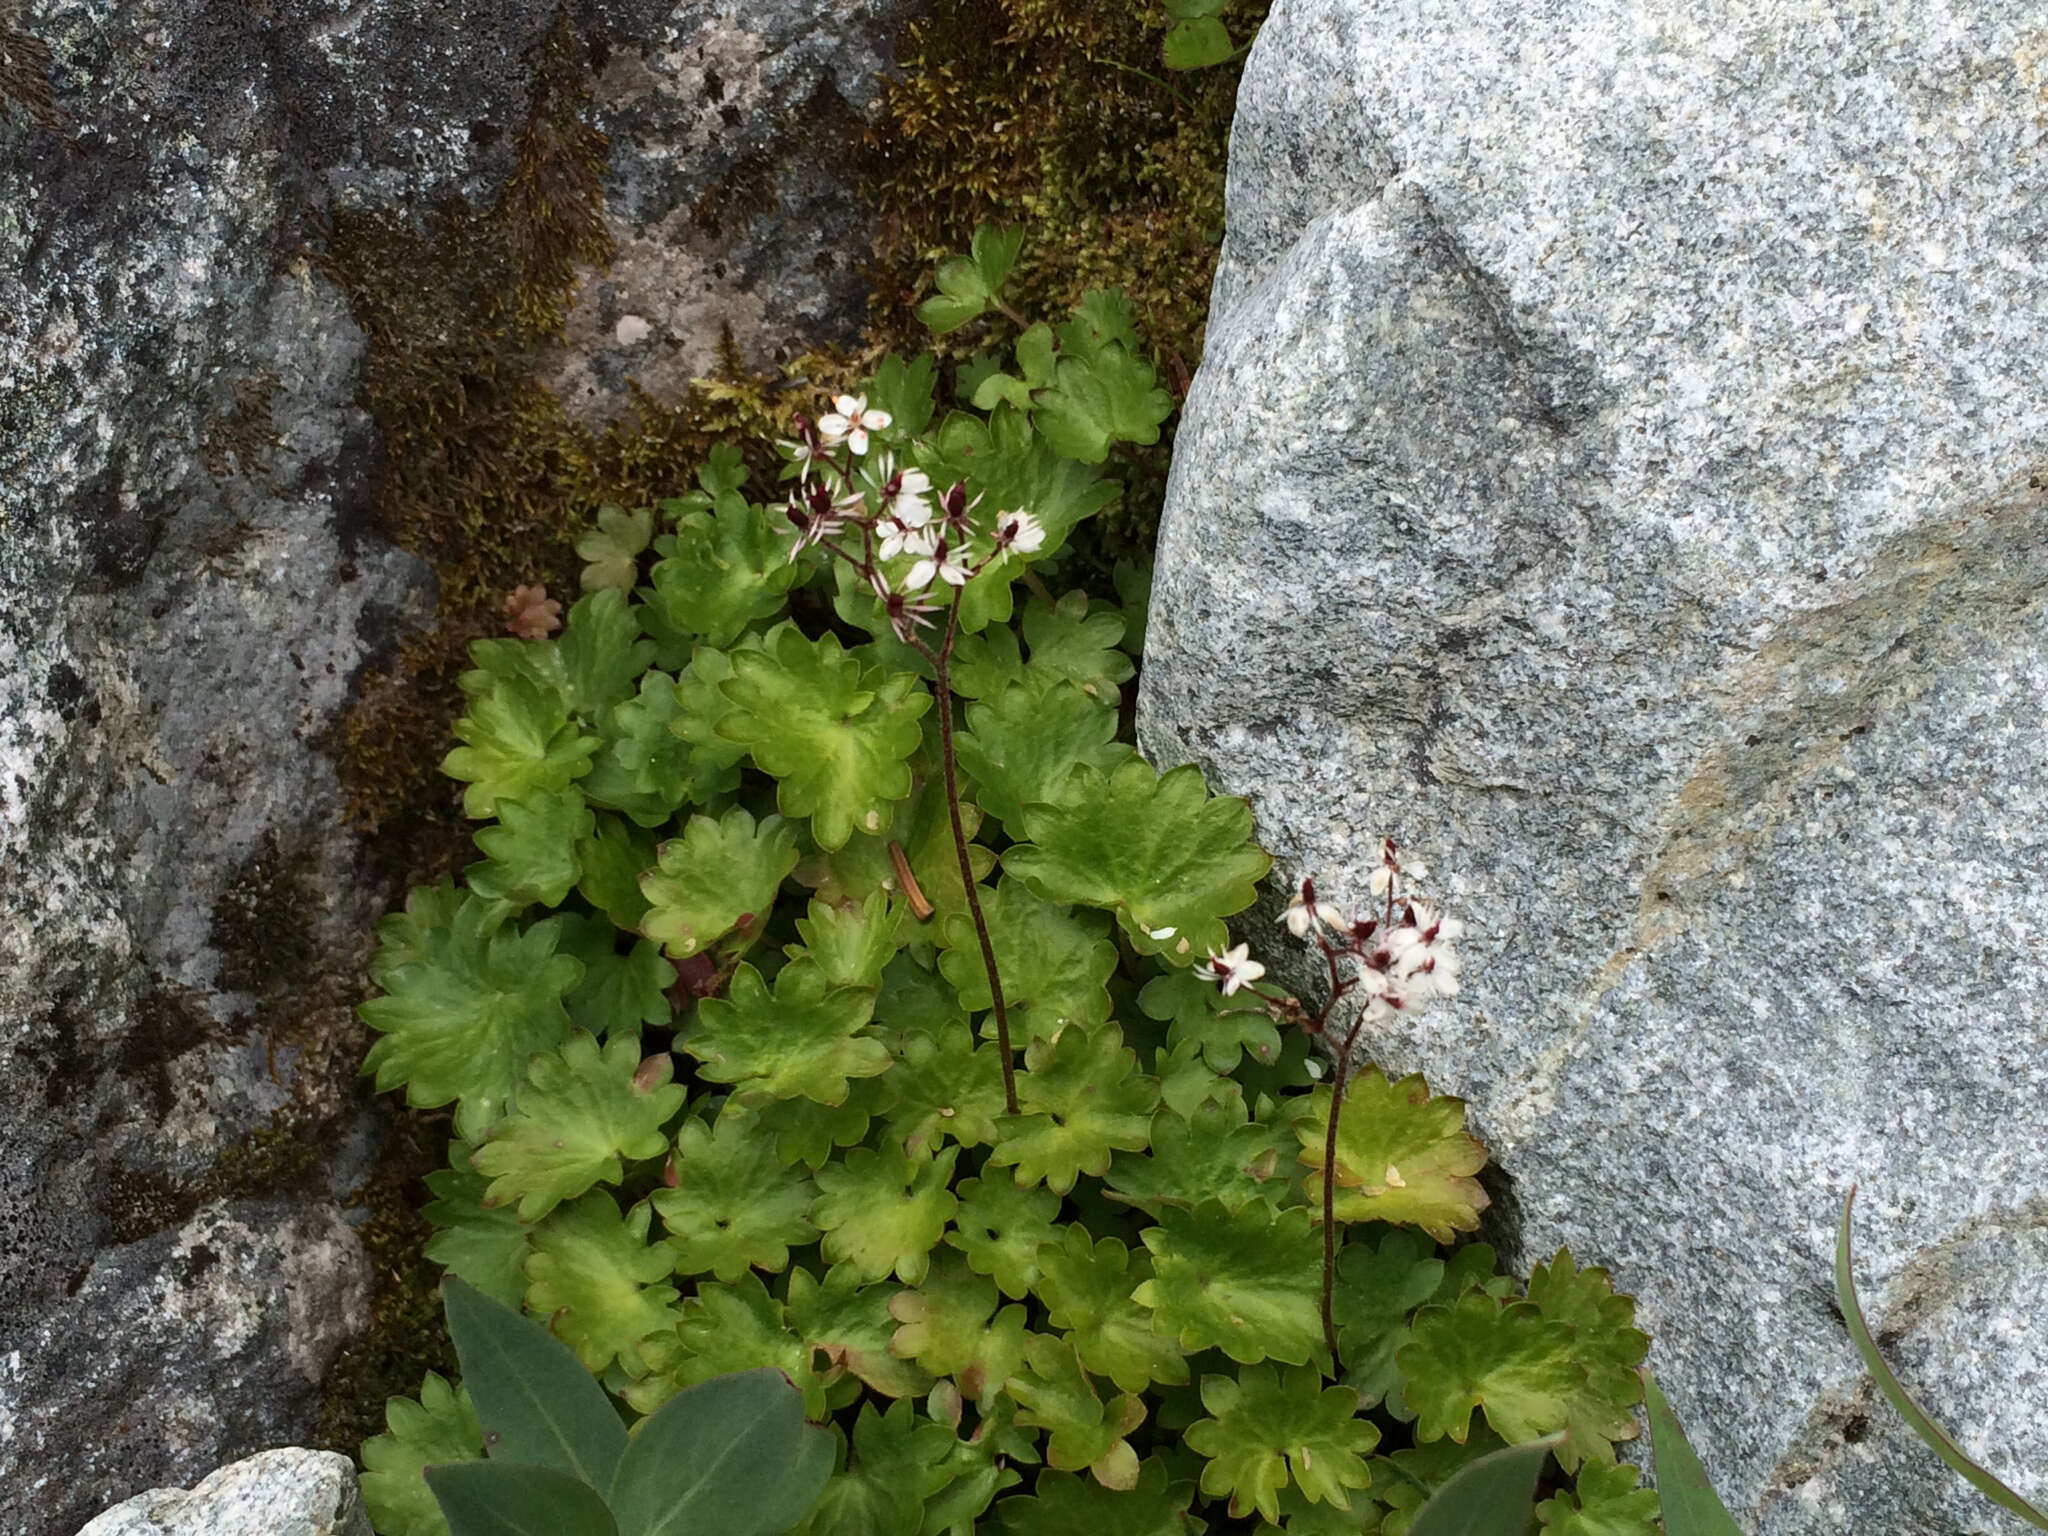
[838, 994]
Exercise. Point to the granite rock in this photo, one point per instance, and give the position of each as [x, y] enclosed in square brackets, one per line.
[1619, 470]
[732, 197]
[193, 574]
[288, 1492]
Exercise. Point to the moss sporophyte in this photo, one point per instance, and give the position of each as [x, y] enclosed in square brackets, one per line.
[837, 994]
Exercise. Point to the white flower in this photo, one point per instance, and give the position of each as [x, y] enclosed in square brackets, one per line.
[1391, 868]
[817, 516]
[903, 498]
[906, 614]
[1419, 953]
[1234, 968]
[1305, 914]
[939, 565]
[1019, 531]
[901, 538]
[850, 421]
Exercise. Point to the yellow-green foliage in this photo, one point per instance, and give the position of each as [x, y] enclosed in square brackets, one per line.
[1056, 115]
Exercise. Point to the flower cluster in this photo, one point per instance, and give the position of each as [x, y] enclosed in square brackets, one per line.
[893, 508]
[1402, 955]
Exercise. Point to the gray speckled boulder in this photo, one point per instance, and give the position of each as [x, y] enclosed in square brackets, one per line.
[733, 202]
[1620, 471]
[286, 1492]
[191, 574]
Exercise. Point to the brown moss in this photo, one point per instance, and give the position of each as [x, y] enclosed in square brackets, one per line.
[1058, 116]
[263, 921]
[407, 1336]
[238, 438]
[25, 72]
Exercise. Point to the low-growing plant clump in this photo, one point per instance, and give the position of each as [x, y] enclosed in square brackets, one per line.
[839, 994]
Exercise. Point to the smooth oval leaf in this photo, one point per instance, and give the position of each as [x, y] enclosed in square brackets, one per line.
[496, 1498]
[1492, 1497]
[729, 1457]
[536, 1402]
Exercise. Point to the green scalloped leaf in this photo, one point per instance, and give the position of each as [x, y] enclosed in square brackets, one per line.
[999, 1357]
[1022, 742]
[531, 852]
[1248, 1282]
[1054, 1394]
[944, 1088]
[726, 569]
[618, 991]
[723, 1329]
[1086, 1288]
[459, 1024]
[602, 653]
[718, 877]
[440, 1427]
[517, 740]
[612, 550]
[898, 1460]
[613, 858]
[1477, 1353]
[1197, 43]
[1217, 1153]
[836, 736]
[1070, 642]
[884, 1211]
[1193, 1008]
[804, 1042]
[1608, 1346]
[849, 1322]
[1082, 1098]
[583, 1112]
[1001, 1226]
[485, 1245]
[944, 1322]
[852, 944]
[805, 1131]
[732, 1204]
[646, 770]
[1062, 1504]
[402, 936]
[1605, 1502]
[1099, 400]
[598, 1281]
[1377, 1291]
[1158, 850]
[925, 831]
[701, 708]
[1055, 963]
[1267, 1426]
[1402, 1156]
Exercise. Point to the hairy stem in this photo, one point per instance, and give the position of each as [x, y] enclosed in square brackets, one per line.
[941, 660]
[1330, 1186]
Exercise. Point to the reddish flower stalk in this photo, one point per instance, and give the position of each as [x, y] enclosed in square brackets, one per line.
[1403, 965]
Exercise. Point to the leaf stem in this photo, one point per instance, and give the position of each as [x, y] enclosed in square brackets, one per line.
[941, 660]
